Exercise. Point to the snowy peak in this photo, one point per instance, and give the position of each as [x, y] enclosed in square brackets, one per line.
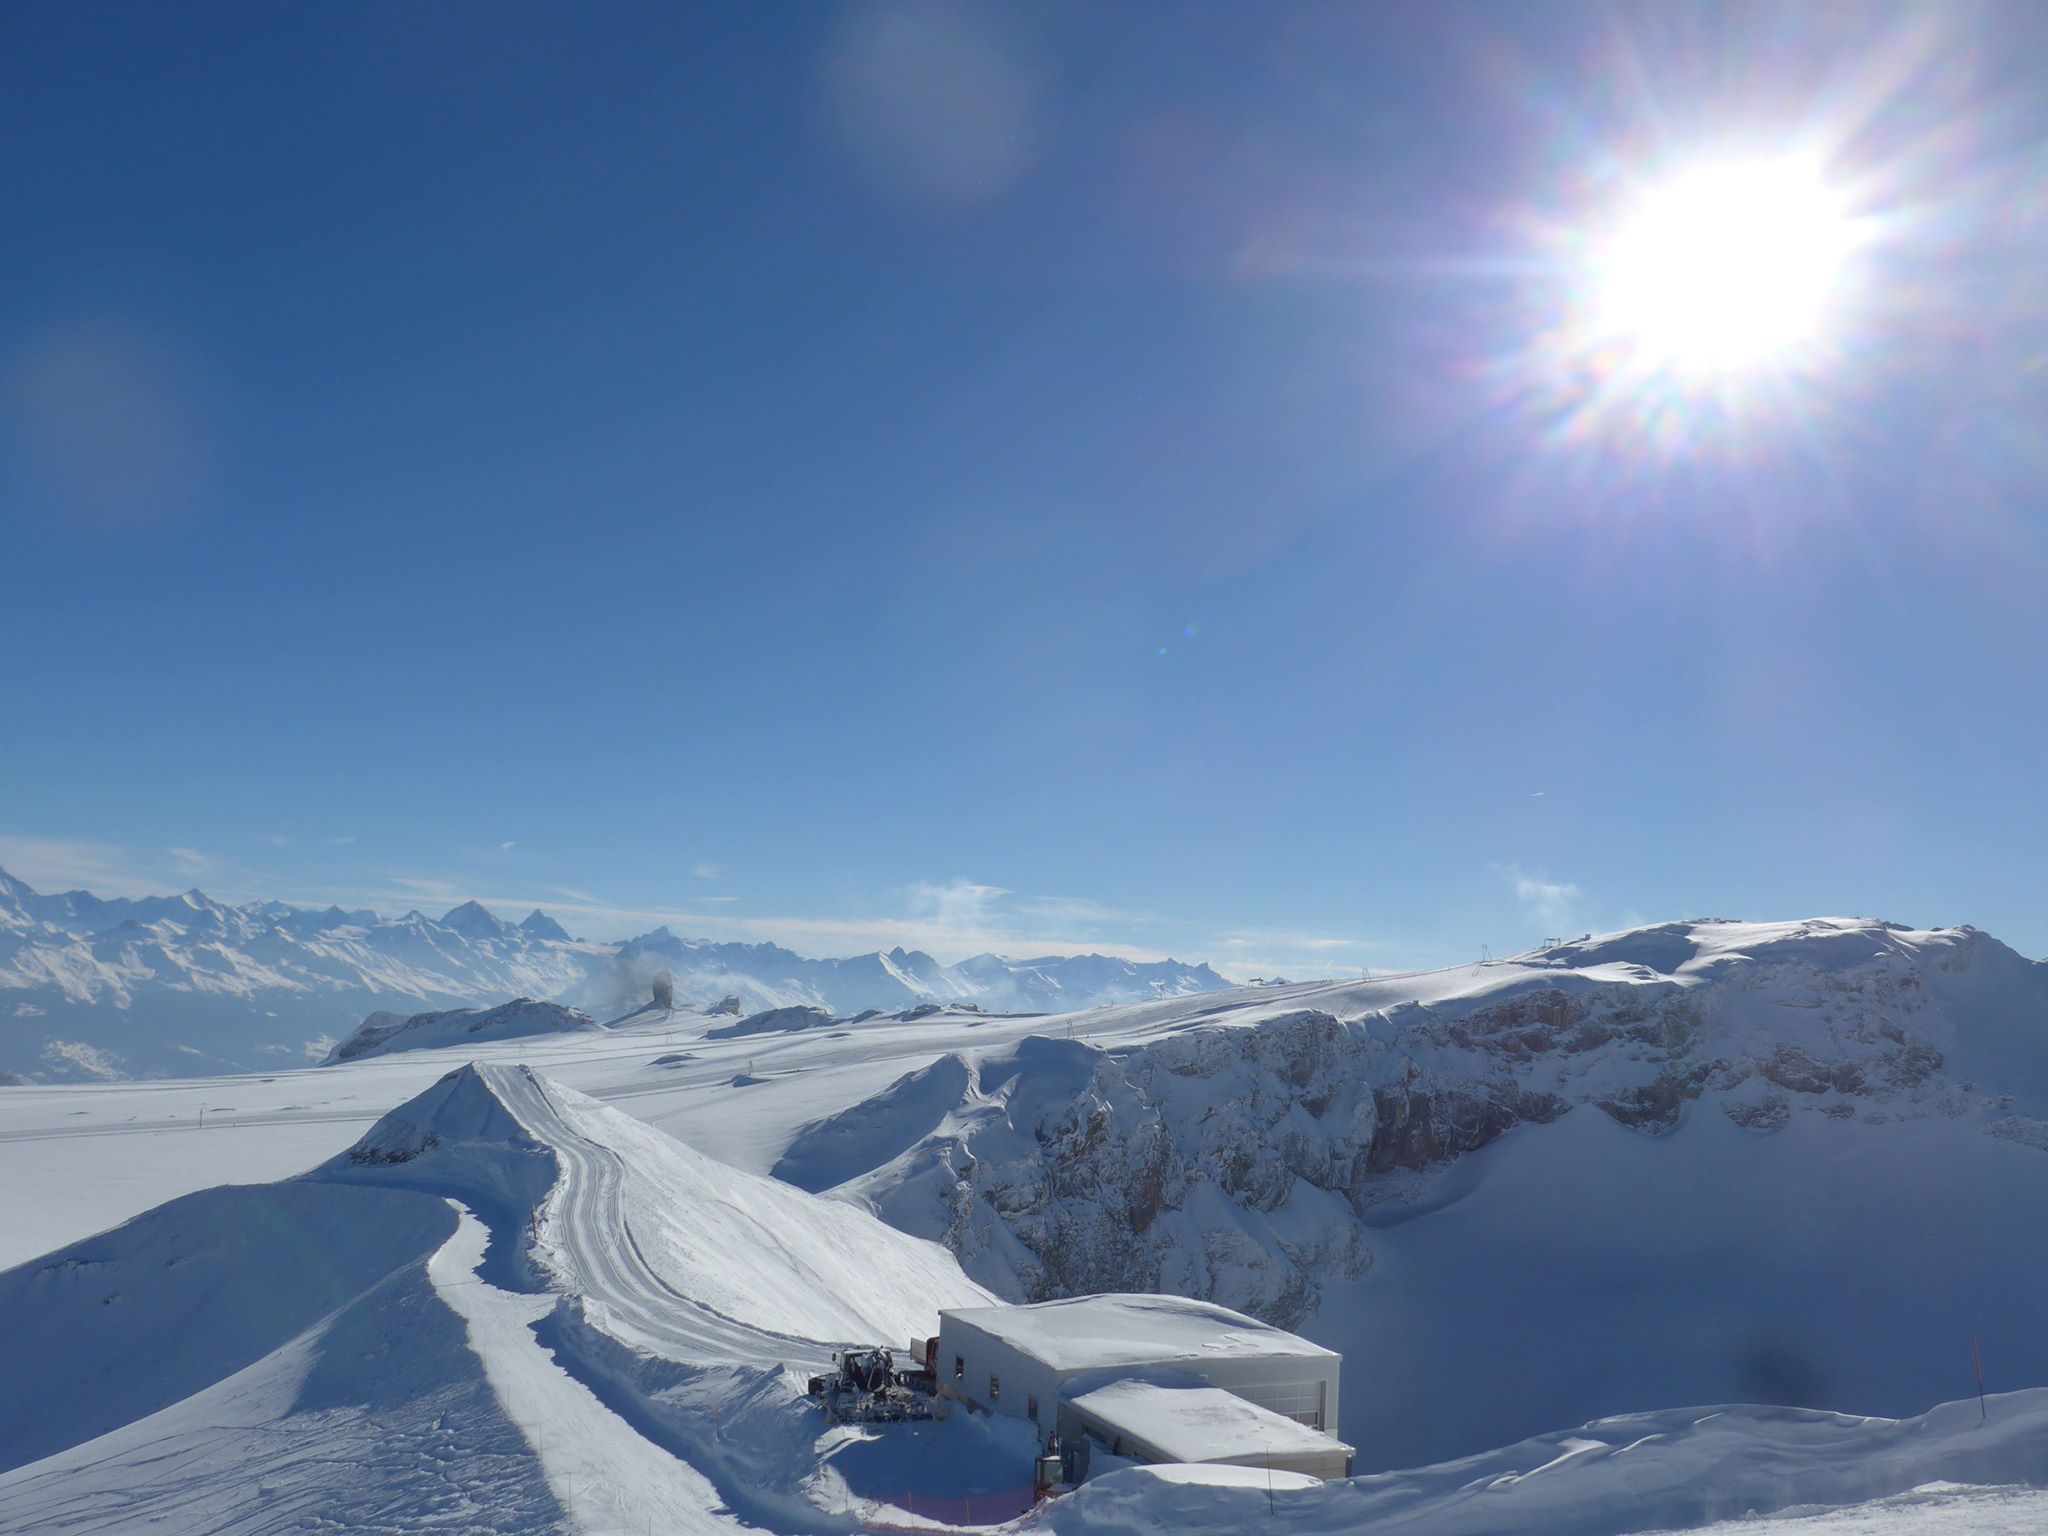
[473, 920]
[174, 984]
[465, 1108]
[1693, 948]
[538, 925]
[767, 976]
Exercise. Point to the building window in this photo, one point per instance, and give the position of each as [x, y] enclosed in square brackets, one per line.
[1031, 1409]
[995, 1386]
[959, 1367]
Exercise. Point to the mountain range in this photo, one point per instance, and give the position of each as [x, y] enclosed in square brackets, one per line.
[1686, 1224]
[96, 988]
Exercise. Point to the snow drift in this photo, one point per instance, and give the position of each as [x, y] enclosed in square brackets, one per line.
[1662, 1471]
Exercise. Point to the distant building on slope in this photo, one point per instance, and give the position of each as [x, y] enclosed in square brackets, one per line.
[1150, 1378]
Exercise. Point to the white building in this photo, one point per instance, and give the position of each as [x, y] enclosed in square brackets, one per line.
[1154, 1378]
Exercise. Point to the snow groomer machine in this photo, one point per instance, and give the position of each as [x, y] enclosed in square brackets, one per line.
[867, 1388]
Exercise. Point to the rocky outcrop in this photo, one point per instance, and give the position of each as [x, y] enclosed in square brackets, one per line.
[384, 1033]
[1228, 1164]
[1248, 1163]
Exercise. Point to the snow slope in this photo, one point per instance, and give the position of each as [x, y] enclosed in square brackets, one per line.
[579, 1254]
[141, 1317]
[378, 1418]
[671, 1250]
[1721, 1161]
[1671, 1470]
[1703, 1162]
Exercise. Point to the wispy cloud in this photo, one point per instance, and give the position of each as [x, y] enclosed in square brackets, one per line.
[53, 863]
[106, 869]
[1078, 911]
[705, 871]
[1287, 952]
[507, 847]
[415, 888]
[955, 904]
[1551, 902]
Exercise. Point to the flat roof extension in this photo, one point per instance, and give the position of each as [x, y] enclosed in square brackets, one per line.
[1198, 1423]
[1087, 1333]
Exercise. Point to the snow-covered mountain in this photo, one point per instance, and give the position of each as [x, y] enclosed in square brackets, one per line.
[385, 1032]
[186, 985]
[1701, 1163]
[181, 985]
[1707, 1163]
[1799, 1135]
[769, 976]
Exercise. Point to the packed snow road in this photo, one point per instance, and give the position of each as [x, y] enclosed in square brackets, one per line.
[587, 1231]
[670, 1252]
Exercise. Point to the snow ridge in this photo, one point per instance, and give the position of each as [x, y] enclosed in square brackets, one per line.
[1245, 1160]
[385, 1032]
[677, 1253]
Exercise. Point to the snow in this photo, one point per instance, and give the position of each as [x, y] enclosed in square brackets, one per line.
[605, 1477]
[382, 1033]
[141, 1317]
[1090, 1332]
[1934, 1509]
[677, 1253]
[1218, 1474]
[1192, 1422]
[176, 984]
[1839, 1246]
[584, 1257]
[1671, 1470]
[377, 1419]
[1586, 1269]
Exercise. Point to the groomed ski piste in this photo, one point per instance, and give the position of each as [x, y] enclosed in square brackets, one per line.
[507, 1306]
[585, 1326]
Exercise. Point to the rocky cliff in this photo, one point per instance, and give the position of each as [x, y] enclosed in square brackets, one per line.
[1247, 1157]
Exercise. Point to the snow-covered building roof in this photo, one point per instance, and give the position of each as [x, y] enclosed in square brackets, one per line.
[1221, 1474]
[1085, 1333]
[1195, 1422]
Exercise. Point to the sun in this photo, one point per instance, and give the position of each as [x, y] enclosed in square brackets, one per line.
[1723, 268]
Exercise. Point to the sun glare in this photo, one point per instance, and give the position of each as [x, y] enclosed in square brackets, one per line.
[1723, 268]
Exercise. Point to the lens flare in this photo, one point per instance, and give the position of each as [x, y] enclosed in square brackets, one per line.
[1724, 267]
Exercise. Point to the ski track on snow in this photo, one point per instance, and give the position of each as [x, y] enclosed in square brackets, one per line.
[588, 1220]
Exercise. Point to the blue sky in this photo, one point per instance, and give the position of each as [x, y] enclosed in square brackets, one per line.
[1046, 477]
